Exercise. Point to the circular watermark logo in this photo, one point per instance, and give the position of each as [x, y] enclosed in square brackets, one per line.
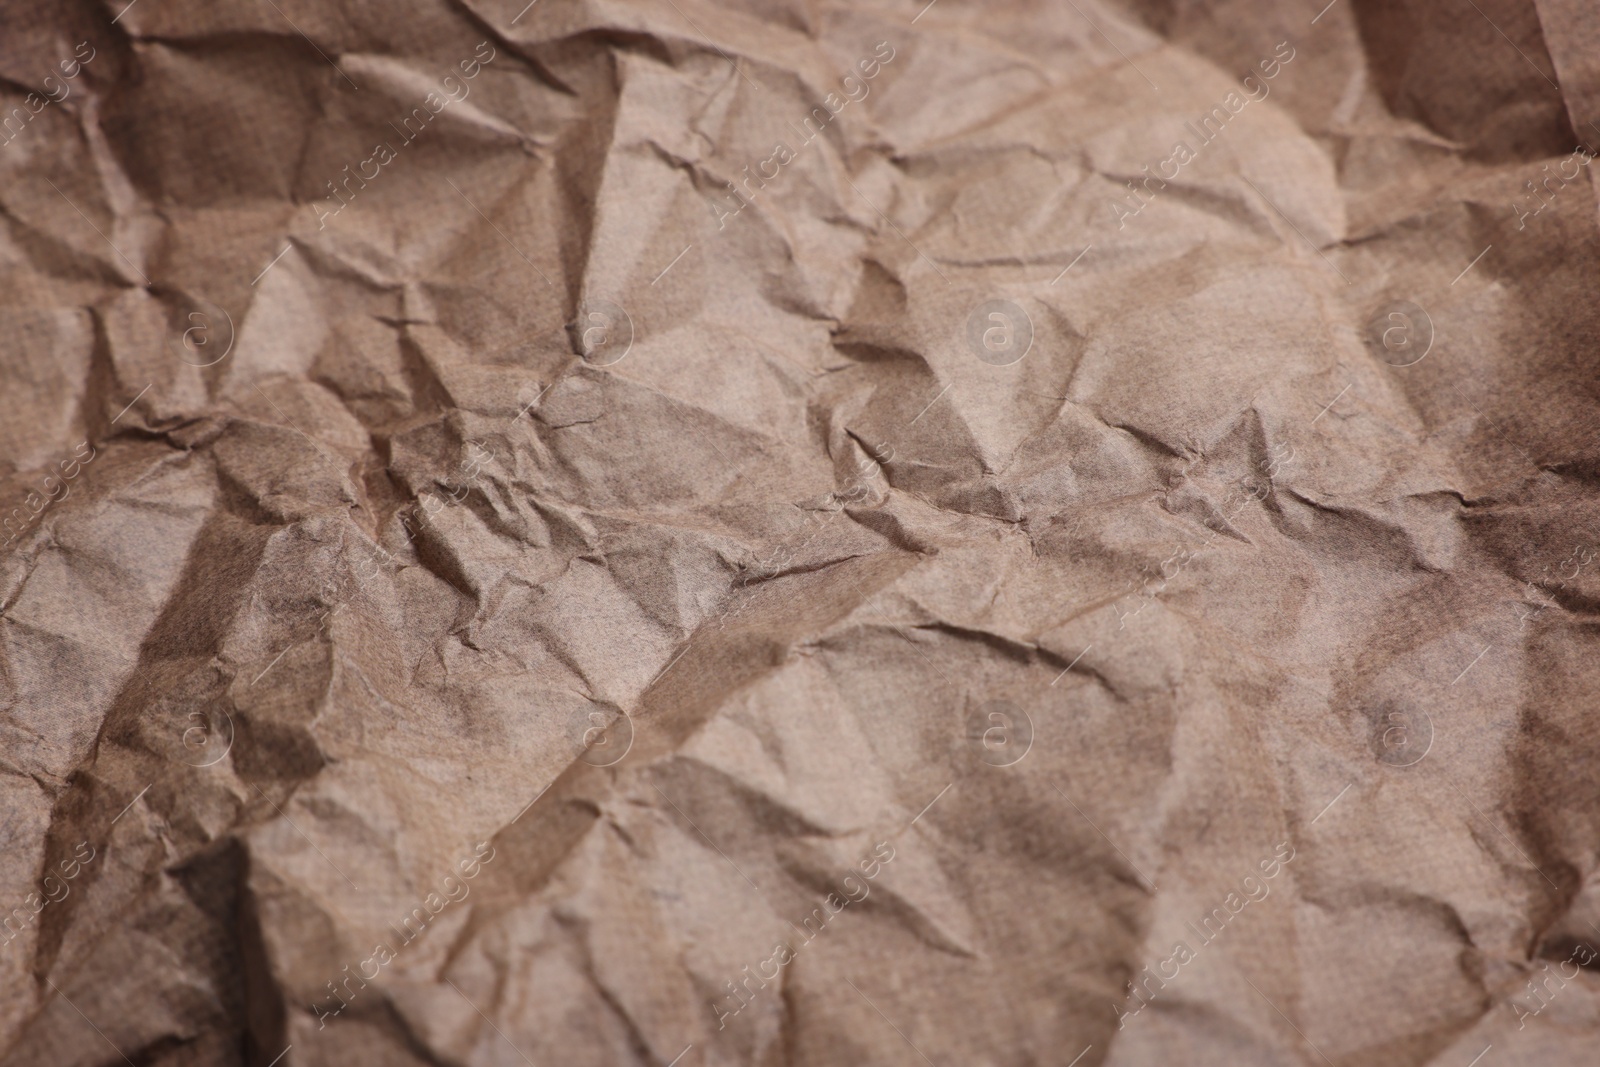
[207, 737]
[1401, 734]
[999, 332]
[1400, 333]
[1001, 732]
[602, 333]
[604, 736]
[202, 333]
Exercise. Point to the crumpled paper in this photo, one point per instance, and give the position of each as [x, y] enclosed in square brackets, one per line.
[613, 532]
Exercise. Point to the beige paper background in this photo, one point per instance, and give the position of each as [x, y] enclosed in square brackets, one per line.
[289, 646]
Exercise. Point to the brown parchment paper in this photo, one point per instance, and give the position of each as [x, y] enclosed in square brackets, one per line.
[789, 532]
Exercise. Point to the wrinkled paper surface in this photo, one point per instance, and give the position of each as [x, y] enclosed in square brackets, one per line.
[791, 532]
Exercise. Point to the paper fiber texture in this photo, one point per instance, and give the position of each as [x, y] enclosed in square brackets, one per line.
[788, 532]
